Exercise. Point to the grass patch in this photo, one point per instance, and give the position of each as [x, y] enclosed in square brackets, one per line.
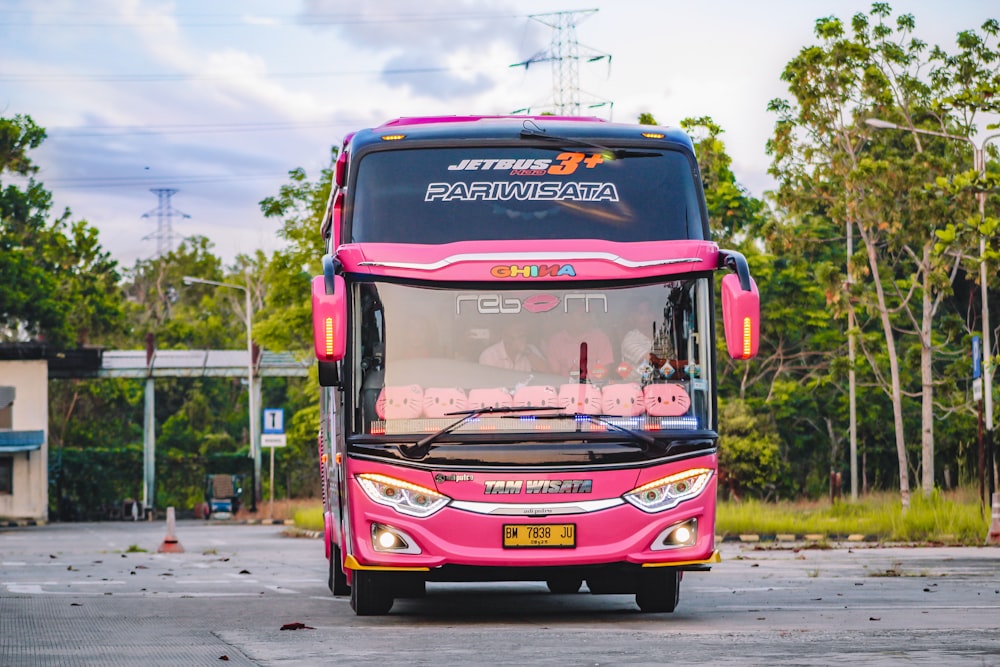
[954, 517]
[135, 549]
[309, 518]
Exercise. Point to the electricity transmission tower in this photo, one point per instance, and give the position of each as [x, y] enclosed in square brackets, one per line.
[164, 214]
[565, 53]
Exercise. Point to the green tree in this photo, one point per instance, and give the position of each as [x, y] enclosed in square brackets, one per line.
[286, 318]
[832, 167]
[750, 463]
[195, 316]
[791, 376]
[59, 284]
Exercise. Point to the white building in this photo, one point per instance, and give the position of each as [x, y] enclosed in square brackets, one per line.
[24, 452]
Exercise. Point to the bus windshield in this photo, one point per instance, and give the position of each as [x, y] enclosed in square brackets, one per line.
[637, 355]
[443, 195]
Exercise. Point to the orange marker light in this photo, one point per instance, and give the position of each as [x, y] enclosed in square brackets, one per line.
[747, 338]
[393, 137]
[328, 336]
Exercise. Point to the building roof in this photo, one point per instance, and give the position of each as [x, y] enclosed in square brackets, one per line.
[21, 441]
[97, 362]
[199, 363]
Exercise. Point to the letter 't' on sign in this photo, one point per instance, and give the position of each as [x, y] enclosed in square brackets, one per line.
[274, 420]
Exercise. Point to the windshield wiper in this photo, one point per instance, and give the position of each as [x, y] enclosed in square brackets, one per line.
[531, 130]
[605, 420]
[422, 446]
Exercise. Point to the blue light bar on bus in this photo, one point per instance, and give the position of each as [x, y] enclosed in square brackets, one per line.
[531, 423]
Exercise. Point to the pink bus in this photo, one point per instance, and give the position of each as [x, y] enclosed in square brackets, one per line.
[515, 330]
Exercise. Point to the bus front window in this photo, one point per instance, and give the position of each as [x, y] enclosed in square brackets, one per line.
[634, 354]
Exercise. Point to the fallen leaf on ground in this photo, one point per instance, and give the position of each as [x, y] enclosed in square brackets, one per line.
[296, 626]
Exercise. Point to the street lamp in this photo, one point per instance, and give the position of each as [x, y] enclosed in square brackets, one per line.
[254, 448]
[979, 164]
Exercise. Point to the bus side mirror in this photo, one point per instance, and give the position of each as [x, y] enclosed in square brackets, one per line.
[329, 313]
[741, 317]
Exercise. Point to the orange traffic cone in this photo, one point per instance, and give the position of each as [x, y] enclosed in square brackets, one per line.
[993, 537]
[170, 544]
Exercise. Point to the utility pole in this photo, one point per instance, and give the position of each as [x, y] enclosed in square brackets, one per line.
[164, 214]
[565, 52]
[851, 375]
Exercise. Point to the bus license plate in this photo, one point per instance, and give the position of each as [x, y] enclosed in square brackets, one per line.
[552, 535]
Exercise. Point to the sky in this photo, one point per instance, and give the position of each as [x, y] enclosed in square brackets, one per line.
[220, 100]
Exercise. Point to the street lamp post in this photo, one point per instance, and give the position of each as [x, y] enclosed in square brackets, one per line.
[254, 445]
[979, 164]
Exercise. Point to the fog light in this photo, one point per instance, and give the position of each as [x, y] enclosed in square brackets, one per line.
[683, 534]
[387, 540]
[392, 540]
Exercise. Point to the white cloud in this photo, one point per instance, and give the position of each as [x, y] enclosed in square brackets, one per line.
[220, 100]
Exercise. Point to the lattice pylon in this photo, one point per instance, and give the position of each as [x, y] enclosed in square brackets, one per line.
[565, 52]
[164, 214]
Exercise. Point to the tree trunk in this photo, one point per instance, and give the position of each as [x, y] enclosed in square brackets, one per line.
[896, 391]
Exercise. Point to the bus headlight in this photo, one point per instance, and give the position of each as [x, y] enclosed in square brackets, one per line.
[668, 492]
[404, 497]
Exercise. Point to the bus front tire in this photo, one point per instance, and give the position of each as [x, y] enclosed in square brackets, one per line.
[337, 580]
[370, 594]
[659, 590]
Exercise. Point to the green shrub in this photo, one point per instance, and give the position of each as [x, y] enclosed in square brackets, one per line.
[750, 462]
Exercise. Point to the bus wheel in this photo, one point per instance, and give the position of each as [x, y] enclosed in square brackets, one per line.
[337, 580]
[370, 594]
[659, 590]
[564, 585]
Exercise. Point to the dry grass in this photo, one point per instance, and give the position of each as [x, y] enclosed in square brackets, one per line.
[953, 517]
[283, 510]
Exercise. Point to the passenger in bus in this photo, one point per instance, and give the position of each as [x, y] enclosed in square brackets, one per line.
[638, 341]
[563, 348]
[639, 347]
[514, 351]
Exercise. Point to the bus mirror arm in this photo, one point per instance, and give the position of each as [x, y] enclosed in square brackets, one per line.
[331, 267]
[735, 261]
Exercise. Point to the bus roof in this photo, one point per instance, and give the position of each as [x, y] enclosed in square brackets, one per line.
[443, 128]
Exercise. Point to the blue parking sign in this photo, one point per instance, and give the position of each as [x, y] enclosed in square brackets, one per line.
[274, 421]
[977, 360]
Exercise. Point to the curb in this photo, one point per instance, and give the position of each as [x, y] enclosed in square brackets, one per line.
[266, 522]
[785, 537]
[20, 523]
[302, 532]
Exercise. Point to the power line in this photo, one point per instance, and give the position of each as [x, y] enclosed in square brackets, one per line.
[247, 21]
[154, 78]
[87, 182]
[196, 128]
